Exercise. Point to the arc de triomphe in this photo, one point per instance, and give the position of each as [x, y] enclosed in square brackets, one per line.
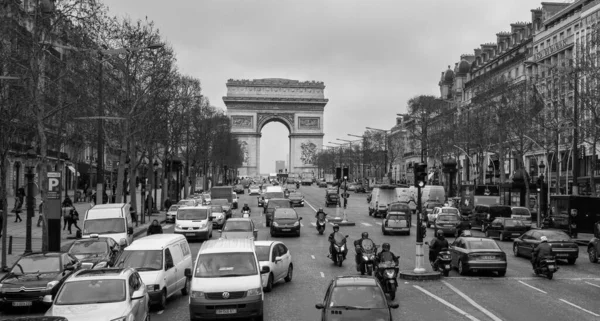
[251, 104]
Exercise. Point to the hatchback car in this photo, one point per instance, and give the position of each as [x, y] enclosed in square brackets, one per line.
[296, 199]
[239, 228]
[239, 189]
[278, 258]
[505, 228]
[396, 222]
[218, 215]
[172, 213]
[254, 190]
[563, 247]
[105, 294]
[332, 197]
[206, 199]
[447, 223]
[95, 252]
[437, 210]
[323, 184]
[285, 221]
[471, 254]
[357, 298]
[35, 278]
[272, 205]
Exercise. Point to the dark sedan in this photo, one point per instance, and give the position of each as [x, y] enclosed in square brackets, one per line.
[285, 221]
[238, 189]
[323, 184]
[36, 278]
[473, 254]
[272, 205]
[95, 252]
[355, 298]
[307, 181]
[296, 199]
[563, 247]
[360, 189]
[505, 228]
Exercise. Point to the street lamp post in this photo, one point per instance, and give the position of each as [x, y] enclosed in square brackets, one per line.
[541, 179]
[143, 168]
[155, 185]
[30, 163]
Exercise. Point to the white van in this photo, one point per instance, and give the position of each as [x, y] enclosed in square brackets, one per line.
[274, 189]
[194, 222]
[433, 194]
[161, 260]
[109, 220]
[226, 281]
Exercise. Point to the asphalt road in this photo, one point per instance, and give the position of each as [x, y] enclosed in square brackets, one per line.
[572, 294]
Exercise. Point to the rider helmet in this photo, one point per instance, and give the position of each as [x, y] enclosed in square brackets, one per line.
[320, 209]
[245, 204]
[439, 233]
[365, 235]
[385, 246]
[543, 238]
[336, 228]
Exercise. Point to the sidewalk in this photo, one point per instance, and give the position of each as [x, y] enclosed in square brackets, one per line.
[18, 230]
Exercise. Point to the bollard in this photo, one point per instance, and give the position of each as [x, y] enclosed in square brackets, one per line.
[9, 244]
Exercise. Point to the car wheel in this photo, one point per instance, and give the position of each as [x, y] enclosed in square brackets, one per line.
[516, 250]
[502, 273]
[593, 254]
[290, 274]
[462, 270]
[269, 286]
[571, 261]
[186, 287]
[163, 300]
[147, 315]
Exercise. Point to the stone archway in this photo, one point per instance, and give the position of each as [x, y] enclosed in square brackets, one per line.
[251, 104]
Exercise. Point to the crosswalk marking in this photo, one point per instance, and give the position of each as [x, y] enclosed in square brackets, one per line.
[366, 224]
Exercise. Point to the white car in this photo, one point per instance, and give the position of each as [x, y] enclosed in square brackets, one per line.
[254, 190]
[234, 198]
[277, 257]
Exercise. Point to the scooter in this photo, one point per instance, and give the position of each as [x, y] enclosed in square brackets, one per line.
[547, 266]
[339, 250]
[442, 262]
[321, 223]
[387, 272]
[245, 213]
[367, 251]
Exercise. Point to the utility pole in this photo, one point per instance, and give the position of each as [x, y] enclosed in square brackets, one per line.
[100, 160]
[575, 134]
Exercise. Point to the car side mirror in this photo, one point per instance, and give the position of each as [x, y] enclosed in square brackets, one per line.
[394, 305]
[265, 269]
[319, 306]
[188, 273]
[130, 230]
[138, 294]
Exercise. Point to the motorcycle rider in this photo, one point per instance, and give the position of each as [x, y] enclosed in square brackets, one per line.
[437, 244]
[319, 212]
[386, 255]
[336, 229]
[358, 248]
[541, 251]
[246, 208]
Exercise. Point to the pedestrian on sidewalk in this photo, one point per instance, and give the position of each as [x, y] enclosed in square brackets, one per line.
[73, 220]
[18, 206]
[149, 204]
[66, 215]
[168, 204]
[41, 216]
[67, 202]
[154, 228]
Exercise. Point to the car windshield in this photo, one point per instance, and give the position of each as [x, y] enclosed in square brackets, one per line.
[500, 211]
[447, 218]
[237, 226]
[217, 209]
[285, 214]
[369, 297]
[37, 264]
[299, 195]
[91, 292]
[432, 206]
[212, 265]
[274, 195]
[104, 226]
[192, 214]
[556, 236]
[88, 247]
[399, 208]
[187, 203]
[521, 211]
[449, 211]
[262, 252]
[142, 260]
[279, 203]
[482, 244]
[513, 223]
[173, 208]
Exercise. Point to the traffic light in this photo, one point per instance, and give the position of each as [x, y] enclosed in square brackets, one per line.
[420, 174]
[345, 174]
[338, 173]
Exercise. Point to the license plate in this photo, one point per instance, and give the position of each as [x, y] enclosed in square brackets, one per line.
[227, 311]
[447, 266]
[488, 257]
[551, 267]
[562, 255]
[285, 230]
[190, 234]
[22, 304]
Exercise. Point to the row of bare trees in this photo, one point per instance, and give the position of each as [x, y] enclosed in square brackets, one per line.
[66, 63]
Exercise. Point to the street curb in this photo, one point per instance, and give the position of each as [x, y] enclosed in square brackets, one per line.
[427, 276]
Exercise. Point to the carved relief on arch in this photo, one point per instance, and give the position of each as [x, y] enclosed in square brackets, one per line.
[263, 118]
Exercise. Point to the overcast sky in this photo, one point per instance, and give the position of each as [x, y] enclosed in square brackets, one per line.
[372, 55]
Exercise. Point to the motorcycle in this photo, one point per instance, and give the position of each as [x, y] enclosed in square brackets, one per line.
[339, 250]
[367, 251]
[547, 266]
[245, 213]
[387, 272]
[321, 223]
[442, 262]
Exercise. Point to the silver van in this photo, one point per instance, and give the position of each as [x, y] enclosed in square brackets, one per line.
[110, 220]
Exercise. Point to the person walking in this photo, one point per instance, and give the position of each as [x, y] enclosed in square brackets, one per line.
[168, 204]
[41, 212]
[66, 215]
[149, 204]
[18, 206]
[73, 220]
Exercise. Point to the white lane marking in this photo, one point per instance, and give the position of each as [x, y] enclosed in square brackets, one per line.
[322, 274]
[313, 208]
[313, 257]
[167, 226]
[592, 284]
[160, 312]
[446, 303]
[313, 223]
[366, 224]
[378, 223]
[580, 308]
[533, 287]
[473, 303]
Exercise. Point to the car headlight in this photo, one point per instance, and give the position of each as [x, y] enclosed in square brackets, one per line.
[296, 223]
[254, 292]
[197, 294]
[101, 265]
[275, 224]
[152, 287]
[178, 226]
[51, 285]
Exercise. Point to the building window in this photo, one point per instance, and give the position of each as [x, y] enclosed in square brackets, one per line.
[562, 35]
